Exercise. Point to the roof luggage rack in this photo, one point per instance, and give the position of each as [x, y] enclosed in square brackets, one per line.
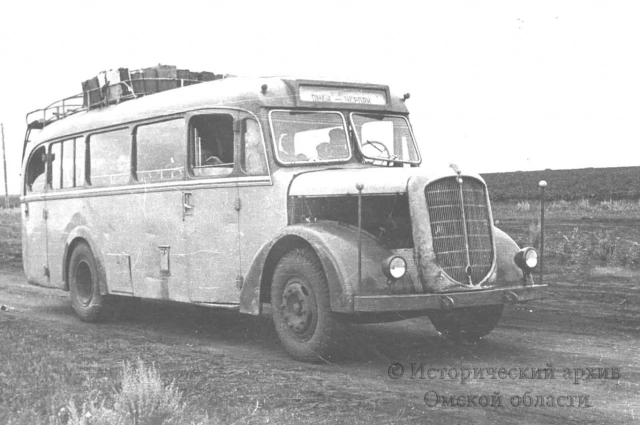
[115, 86]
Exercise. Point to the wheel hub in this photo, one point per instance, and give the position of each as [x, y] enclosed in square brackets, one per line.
[84, 283]
[296, 309]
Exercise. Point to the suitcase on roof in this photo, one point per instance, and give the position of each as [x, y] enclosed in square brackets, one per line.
[150, 82]
[168, 77]
[91, 93]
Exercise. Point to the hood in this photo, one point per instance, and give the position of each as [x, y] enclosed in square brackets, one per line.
[377, 180]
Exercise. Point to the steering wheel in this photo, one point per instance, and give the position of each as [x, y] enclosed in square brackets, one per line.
[375, 144]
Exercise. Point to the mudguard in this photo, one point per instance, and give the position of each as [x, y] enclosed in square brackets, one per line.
[507, 272]
[83, 233]
[337, 248]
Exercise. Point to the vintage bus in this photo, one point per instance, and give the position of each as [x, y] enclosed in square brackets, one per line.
[305, 195]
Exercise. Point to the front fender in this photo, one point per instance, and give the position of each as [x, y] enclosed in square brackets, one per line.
[337, 248]
[507, 272]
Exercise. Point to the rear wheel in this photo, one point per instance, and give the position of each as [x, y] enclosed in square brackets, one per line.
[84, 286]
[467, 324]
[301, 306]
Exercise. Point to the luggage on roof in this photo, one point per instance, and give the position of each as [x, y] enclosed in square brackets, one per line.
[117, 85]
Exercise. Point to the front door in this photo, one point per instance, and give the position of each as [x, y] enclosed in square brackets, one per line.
[211, 208]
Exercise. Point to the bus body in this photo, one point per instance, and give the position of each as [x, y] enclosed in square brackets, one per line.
[304, 194]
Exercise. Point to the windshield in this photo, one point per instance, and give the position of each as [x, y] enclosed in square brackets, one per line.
[385, 138]
[303, 137]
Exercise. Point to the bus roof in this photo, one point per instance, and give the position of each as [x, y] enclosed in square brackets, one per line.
[239, 92]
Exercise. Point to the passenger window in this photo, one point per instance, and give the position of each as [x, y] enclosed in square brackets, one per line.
[62, 166]
[68, 163]
[109, 159]
[160, 151]
[56, 159]
[80, 162]
[254, 159]
[36, 176]
[211, 145]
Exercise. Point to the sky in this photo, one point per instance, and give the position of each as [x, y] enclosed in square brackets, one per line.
[495, 85]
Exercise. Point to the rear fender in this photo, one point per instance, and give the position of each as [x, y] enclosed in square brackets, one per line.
[79, 234]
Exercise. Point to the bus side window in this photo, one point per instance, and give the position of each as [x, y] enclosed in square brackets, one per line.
[56, 159]
[253, 160]
[80, 151]
[36, 176]
[160, 151]
[67, 163]
[109, 159]
[211, 145]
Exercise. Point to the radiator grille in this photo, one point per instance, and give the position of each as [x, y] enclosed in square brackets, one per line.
[461, 228]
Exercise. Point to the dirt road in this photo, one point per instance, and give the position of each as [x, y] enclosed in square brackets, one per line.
[588, 327]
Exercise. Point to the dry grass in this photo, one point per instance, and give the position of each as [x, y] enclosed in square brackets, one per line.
[49, 371]
[143, 399]
[594, 248]
[10, 238]
[599, 237]
[59, 376]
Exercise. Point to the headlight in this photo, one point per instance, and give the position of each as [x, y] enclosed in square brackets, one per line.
[394, 267]
[526, 259]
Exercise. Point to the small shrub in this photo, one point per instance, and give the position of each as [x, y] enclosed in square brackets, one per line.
[607, 205]
[584, 204]
[559, 205]
[534, 233]
[627, 253]
[142, 400]
[523, 206]
[617, 206]
[601, 247]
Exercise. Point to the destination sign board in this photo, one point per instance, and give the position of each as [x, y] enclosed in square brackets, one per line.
[319, 94]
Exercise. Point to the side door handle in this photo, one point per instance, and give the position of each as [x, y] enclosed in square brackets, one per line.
[187, 204]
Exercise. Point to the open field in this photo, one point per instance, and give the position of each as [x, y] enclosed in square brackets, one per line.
[229, 368]
[10, 239]
[13, 201]
[595, 184]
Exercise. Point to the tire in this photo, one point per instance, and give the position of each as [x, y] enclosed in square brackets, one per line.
[84, 286]
[301, 306]
[467, 324]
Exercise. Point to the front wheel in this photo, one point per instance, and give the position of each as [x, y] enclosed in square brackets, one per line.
[467, 324]
[301, 306]
[84, 286]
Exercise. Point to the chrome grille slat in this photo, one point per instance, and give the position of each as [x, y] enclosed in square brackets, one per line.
[461, 228]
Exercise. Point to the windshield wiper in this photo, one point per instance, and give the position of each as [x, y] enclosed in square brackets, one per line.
[382, 148]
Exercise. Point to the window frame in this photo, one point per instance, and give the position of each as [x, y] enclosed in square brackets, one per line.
[369, 159]
[82, 140]
[88, 172]
[235, 169]
[276, 148]
[73, 141]
[134, 147]
[50, 167]
[242, 148]
[45, 188]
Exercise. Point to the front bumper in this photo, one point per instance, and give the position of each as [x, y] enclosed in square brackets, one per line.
[447, 301]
